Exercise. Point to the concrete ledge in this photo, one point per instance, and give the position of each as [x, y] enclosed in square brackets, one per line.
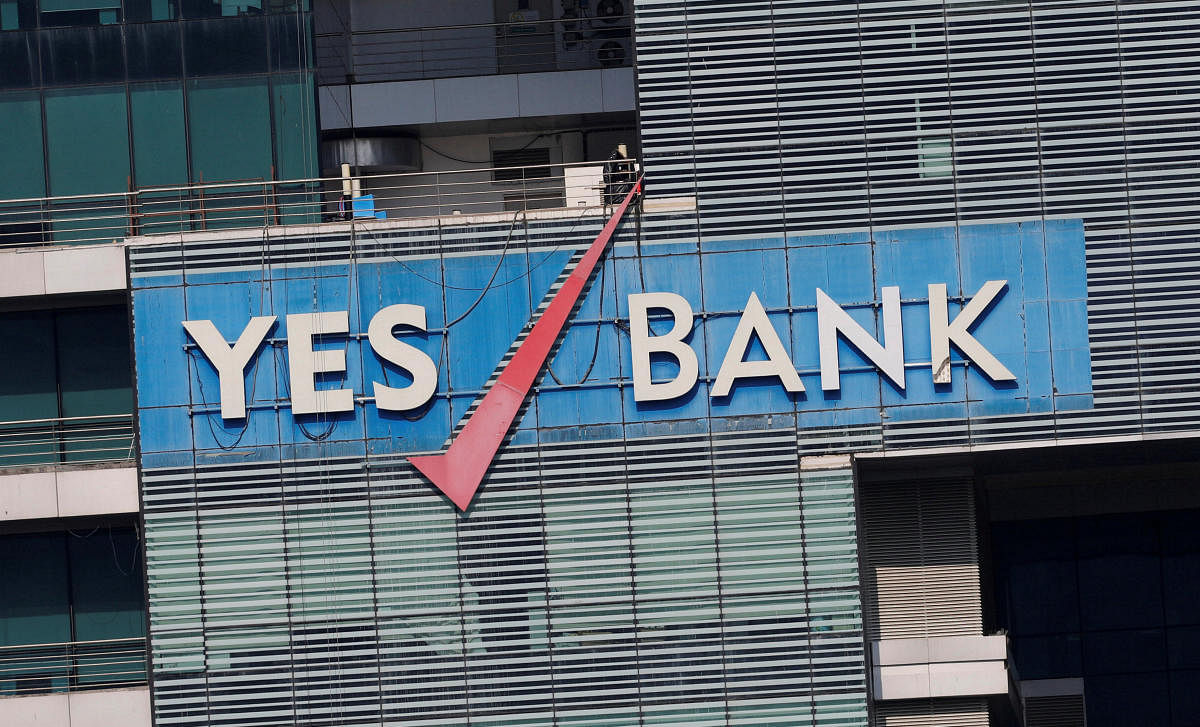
[68, 493]
[938, 649]
[100, 708]
[825, 462]
[944, 666]
[67, 269]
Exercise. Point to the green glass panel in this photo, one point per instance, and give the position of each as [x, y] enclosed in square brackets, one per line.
[28, 390]
[295, 126]
[230, 128]
[93, 360]
[21, 145]
[33, 602]
[93, 355]
[106, 603]
[33, 610]
[88, 139]
[54, 5]
[295, 148]
[159, 134]
[106, 585]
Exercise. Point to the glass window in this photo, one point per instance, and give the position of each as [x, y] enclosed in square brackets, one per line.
[1048, 657]
[290, 48]
[1183, 647]
[230, 129]
[33, 602]
[221, 8]
[80, 12]
[154, 50]
[159, 134]
[225, 46]
[1181, 566]
[93, 361]
[1114, 652]
[18, 60]
[138, 11]
[1127, 699]
[88, 140]
[34, 609]
[15, 14]
[1035, 560]
[63, 587]
[295, 126]
[29, 391]
[106, 585]
[21, 145]
[94, 381]
[1120, 584]
[65, 364]
[82, 55]
[1185, 697]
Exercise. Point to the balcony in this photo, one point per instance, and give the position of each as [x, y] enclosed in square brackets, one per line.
[67, 440]
[72, 666]
[29, 224]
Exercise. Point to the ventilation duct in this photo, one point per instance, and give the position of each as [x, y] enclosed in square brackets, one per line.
[371, 154]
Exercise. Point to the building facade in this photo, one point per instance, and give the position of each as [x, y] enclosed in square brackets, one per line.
[877, 407]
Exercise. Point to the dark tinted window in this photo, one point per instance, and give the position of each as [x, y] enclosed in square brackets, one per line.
[154, 51]
[18, 60]
[82, 55]
[225, 45]
[57, 13]
[289, 43]
[218, 8]
[139, 11]
[15, 14]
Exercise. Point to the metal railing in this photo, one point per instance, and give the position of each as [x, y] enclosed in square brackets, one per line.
[106, 218]
[75, 440]
[401, 54]
[72, 666]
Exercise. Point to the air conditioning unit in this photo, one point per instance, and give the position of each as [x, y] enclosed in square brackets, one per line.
[612, 52]
[611, 13]
[593, 34]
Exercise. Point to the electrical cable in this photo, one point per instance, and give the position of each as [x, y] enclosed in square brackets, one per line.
[595, 345]
[510, 281]
[471, 161]
[495, 271]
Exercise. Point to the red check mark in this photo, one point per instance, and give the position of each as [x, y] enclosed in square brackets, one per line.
[459, 470]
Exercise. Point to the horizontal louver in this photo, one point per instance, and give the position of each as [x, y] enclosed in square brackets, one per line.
[1058, 711]
[685, 578]
[921, 574]
[932, 713]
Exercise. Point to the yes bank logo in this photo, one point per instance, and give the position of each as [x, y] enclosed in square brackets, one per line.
[387, 328]
[460, 468]
[1027, 296]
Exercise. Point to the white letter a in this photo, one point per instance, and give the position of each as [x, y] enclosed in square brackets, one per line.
[754, 321]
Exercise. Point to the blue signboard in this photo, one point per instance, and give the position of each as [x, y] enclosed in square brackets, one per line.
[477, 304]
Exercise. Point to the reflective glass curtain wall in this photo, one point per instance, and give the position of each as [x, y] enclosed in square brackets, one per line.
[191, 93]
